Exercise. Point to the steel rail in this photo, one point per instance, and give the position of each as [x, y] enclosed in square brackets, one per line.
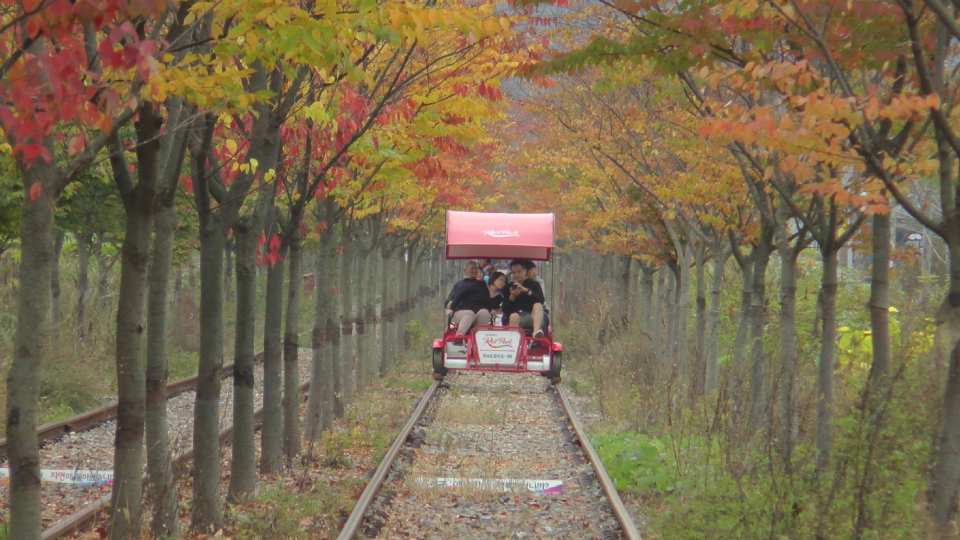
[609, 489]
[351, 527]
[180, 465]
[88, 420]
[373, 486]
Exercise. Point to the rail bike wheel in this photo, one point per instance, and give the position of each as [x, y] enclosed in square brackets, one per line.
[556, 364]
[438, 369]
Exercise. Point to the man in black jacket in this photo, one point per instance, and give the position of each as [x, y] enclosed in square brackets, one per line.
[469, 300]
[524, 304]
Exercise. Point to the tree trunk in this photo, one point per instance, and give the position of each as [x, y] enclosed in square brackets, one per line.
[720, 255]
[699, 373]
[880, 341]
[291, 352]
[163, 492]
[828, 353]
[336, 327]
[880, 303]
[56, 311]
[380, 280]
[243, 465]
[390, 303]
[743, 326]
[626, 289]
[646, 299]
[271, 435]
[758, 320]
[682, 335]
[788, 348]
[84, 244]
[31, 348]
[658, 315]
[131, 370]
[362, 287]
[349, 315]
[320, 396]
[207, 513]
[228, 269]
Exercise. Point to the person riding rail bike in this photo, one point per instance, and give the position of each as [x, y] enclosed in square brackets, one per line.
[523, 306]
[469, 301]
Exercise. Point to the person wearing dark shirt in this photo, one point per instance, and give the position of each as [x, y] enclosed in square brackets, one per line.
[497, 288]
[523, 306]
[469, 300]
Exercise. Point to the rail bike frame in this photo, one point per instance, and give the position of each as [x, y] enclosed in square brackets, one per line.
[476, 235]
[497, 348]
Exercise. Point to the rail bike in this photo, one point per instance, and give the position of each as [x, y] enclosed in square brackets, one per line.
[495, 347]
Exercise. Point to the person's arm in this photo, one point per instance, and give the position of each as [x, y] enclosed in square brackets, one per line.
[536, 292]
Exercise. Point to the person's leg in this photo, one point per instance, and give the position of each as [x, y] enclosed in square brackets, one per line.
[483, 317]
[526, 322]
[514, 319]
[463, 320]
[537, 319]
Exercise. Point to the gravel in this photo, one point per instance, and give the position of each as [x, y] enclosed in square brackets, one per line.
[93, 449]
[492, 426]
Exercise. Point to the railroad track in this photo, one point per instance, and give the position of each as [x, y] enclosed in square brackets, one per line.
[493, 455]
[54, 431]
[86, 442]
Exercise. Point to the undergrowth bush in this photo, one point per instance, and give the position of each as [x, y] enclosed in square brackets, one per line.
[699, 471]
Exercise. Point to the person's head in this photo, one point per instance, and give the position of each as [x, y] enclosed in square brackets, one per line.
[498, 280]
[518, 268]
[532, 269]
[471, 270]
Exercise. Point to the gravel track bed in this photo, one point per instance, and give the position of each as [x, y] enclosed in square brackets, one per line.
[491, 426]
[93, 449]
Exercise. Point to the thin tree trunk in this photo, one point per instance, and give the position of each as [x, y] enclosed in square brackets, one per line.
[626, 287]
[720, 255]
[658, 315]
[125, 507]
[291, 351]
[31, 348]
[163, 492]
[320, 396]
[683, 316]
[390, 301]
[271, 435]
[828, 355]
[228, 269]
[243, 465]
[646, 299]
[336, 329]
[699, 373]
[346, 323]
[788, 348]
[56, 311]
[880, 341]
[207, 512]
[880, 302]
[84, 244]
[381, 287]
[743, 326]
[363, 296]
[758, 320]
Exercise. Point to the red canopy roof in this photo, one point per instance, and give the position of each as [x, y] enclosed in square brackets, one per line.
[482, 235]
